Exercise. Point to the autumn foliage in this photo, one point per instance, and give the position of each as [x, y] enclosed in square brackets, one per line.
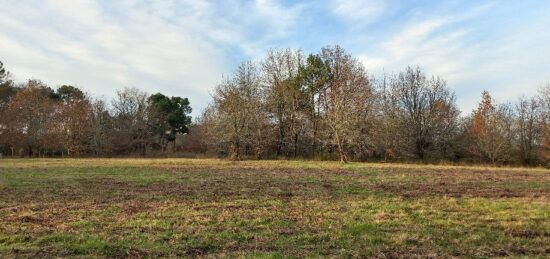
[322, 106]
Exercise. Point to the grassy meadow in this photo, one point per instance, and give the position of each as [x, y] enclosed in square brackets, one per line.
[270, 209]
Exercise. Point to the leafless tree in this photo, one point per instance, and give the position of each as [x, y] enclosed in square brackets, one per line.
[285, 97]
[346, 101]
[389, 131]
[544, 139]
[102, 129]
[529, 125]
[237, 115]
[130, 112]
[428, 110]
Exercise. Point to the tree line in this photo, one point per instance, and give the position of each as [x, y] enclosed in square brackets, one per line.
[326, 106]
[288, 105]
[38, 121]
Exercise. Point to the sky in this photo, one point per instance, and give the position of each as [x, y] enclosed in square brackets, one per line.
[185, 47]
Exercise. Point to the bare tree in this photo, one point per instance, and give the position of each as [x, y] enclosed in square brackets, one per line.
[544, 138]
[237, 116]
[428, 110]
[346, 100]
[285, 96]
[529, 126]
[101, 129]
[130, 112]
[388, 133]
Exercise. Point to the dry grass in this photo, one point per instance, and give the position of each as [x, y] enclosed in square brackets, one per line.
[218, 208]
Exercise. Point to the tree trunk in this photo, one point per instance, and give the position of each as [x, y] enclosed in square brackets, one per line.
[314, 123]
[234, 151]
[258, 144]
[341, 152]
[281, 140]
[295, 145]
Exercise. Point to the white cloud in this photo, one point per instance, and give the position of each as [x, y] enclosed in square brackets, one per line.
[183, 47]
[359, 12]
[418, 43]
[507, 64]
[175, 47]
[279, 19]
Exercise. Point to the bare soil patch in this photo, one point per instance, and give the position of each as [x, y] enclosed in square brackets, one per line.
[467, 183]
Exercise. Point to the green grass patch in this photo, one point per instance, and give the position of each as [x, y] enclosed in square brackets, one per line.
[269, 209]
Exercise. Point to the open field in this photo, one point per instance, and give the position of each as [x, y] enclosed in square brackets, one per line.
[216, 208]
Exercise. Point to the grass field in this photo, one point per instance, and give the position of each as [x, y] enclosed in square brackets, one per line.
[217, 208]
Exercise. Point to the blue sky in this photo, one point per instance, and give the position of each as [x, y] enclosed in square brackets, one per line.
[184, 47]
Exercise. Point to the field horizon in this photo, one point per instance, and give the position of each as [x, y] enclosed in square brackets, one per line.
[280, 162]
[167, 207]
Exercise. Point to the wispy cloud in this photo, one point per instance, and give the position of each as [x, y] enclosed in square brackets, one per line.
[182, 47]
[179, 48]
[359, 12]
[452, 45]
